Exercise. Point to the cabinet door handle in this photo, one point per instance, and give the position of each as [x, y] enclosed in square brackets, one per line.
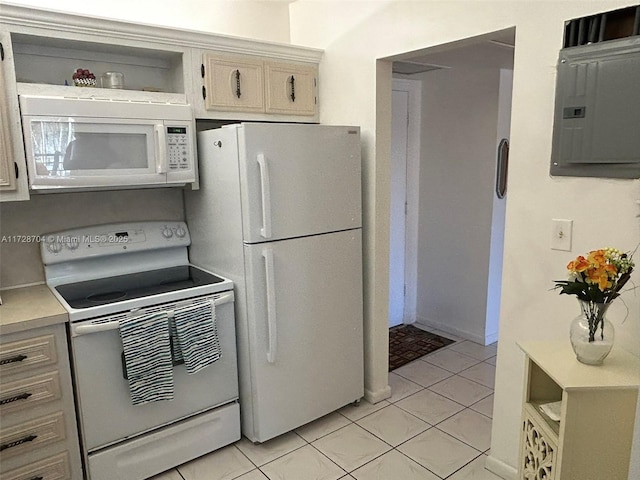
[204, 92]
[29, 438]
[1, 52]
[17, 358]
[15, 398]
[238, 92]
[202, 69]
[15, 165]
[292, 82]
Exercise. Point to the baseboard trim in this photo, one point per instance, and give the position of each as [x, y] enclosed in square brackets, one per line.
[377, 396]
[489, 339]
[443, 327]
[500, 468]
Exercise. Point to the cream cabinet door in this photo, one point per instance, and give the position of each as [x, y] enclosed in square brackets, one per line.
[13, 166]
[7, 171]
[233, 83]
[291, 88]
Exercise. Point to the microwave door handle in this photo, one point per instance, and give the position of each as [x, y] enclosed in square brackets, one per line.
[161, 149]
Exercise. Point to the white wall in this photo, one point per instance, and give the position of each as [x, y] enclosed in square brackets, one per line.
[457, 178]
[261, 19]
[354, 89]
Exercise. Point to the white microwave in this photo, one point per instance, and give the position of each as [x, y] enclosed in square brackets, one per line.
[86, 144]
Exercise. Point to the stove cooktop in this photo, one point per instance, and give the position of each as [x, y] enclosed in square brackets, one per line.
[109, 290]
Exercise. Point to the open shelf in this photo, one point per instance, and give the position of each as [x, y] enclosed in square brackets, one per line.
[554, 425]
[52, 61]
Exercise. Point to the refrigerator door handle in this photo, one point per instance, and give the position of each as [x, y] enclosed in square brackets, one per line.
[272, 331]
[265, 231]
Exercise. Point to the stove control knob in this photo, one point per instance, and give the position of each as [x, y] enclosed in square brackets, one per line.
[73, 243]
[167, 232]
[180, 232]
[55, 246]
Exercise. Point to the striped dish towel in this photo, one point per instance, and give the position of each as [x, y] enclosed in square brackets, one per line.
[197, 335]
[147, 354]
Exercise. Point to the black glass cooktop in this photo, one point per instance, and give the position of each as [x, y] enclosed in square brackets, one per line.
[103, 291]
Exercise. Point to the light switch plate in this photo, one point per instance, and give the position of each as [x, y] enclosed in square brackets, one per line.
[561, 231]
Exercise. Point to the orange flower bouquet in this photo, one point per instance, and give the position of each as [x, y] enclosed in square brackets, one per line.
[597, 280]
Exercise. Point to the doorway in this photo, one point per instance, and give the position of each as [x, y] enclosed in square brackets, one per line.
[452, 270]
[405, 165]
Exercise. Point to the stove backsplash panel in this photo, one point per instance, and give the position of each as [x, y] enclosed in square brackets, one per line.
[22, 223]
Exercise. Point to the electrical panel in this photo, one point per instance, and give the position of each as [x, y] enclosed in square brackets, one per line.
[597, 113]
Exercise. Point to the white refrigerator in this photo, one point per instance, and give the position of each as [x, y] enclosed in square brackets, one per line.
[279, 212]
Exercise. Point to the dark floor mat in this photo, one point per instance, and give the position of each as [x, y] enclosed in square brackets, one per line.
[406, 343]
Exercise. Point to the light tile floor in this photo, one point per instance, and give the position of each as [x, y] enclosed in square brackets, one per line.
[436, 425]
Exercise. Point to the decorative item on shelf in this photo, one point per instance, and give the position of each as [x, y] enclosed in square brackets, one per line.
[596, 281]
[112, 80]
[83, 78]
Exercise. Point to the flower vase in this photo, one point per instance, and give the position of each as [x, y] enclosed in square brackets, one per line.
[591, 334]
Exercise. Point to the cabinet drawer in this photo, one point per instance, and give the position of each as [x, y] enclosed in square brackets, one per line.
[23, 355]
[52, 468]
[30, 436]
[28, 392]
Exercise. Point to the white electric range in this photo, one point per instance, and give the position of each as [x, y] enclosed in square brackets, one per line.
[103, 274]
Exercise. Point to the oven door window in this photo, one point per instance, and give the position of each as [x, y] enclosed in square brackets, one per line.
[93, 151]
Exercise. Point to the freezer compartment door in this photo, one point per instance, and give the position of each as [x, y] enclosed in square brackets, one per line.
[298, 180]
[304, 300]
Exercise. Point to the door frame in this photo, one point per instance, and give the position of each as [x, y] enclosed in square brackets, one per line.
[414, 90]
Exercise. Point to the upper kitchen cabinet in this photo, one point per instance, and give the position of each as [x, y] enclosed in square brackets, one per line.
[259, 86]
[13, 168]
[233, 83]
[291, 88]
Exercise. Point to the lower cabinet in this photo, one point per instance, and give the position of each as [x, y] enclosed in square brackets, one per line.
[38, 433]
[577, 420]
[539, 449]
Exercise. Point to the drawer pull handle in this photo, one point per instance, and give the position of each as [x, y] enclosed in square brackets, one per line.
[30, 438]
[37, 478]
[15, 398]
[17, 358]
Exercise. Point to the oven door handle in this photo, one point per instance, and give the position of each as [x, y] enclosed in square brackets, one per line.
[78, 330]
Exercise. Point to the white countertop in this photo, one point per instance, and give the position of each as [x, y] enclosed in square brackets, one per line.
[29, 307]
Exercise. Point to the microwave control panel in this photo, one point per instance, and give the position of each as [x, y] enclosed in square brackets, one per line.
[178, 148]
